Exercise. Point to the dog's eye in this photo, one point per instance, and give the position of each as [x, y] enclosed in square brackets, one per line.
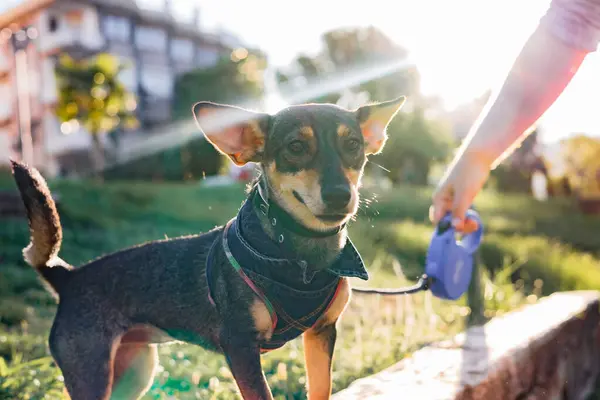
[352, 145]
[296, 147]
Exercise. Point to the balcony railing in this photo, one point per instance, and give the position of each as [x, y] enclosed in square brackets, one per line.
[4, 60]
[6, 105]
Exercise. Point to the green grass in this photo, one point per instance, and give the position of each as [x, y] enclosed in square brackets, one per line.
[543, 247]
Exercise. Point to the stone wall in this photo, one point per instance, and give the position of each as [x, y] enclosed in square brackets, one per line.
[548, 350]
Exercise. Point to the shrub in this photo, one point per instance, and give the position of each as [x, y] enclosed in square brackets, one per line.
[6, 179]
[194, 160]
[415, 143]
[511, 179]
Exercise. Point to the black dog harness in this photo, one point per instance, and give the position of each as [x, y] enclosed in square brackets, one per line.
[295, 295]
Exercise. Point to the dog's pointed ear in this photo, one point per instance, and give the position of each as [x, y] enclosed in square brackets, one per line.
[236, 132]
[374, 119]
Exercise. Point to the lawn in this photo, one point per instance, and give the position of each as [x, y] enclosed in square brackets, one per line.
[541, 248]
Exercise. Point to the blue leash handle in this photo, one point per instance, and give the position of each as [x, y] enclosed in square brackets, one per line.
[449, 263]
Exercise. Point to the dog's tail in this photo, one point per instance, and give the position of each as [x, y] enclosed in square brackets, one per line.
[44, 227]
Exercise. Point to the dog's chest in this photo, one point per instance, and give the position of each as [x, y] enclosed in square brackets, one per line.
[290, 298]
[281, 314]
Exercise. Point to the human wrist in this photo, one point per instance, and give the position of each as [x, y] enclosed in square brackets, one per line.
[479, 156]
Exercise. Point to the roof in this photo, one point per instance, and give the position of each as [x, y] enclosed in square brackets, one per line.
[25, 10]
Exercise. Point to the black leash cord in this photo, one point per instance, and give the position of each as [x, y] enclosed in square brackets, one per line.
[421, 285]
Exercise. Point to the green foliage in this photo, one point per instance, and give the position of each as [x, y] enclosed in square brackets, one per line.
[391, 232]
[358, 49]
[234, 80]
[26, 370]
[514, 174]
[310, 67]
[6, 179]
[509, 179]
[581, 154]
[415, 143]
[368, 47]
[90, 92]
[91, 95]
[197, 159]
[238, 80]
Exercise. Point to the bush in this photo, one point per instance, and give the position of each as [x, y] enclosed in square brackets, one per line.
[509, 179]
[230, 82]
[194, 160]
[6, 179]
[415, 143]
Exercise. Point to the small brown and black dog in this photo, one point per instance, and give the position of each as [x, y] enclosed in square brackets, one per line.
[276, 271]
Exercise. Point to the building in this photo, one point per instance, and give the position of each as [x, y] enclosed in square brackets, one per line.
[156, 39]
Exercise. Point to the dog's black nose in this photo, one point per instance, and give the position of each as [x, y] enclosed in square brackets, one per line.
[336, 197]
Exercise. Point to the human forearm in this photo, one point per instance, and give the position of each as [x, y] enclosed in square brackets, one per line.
[539, 75]
[551, 56]
[549, 59]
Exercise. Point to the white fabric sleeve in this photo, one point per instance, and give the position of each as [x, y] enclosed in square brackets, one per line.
[574, 22]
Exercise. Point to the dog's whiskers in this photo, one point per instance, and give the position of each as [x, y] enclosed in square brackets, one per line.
[380, 166]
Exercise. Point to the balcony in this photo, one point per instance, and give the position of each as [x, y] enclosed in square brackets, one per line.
[57, 142]
[155, 111]
[70, 38]
[4, 60]
[77, 29]
[6, 106]
[6, 145]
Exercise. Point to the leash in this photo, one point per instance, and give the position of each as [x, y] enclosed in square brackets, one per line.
[448, 265]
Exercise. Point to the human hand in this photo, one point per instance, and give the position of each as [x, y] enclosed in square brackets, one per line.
[463, 179]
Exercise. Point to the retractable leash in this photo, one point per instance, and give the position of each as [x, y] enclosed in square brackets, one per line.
[449, 263]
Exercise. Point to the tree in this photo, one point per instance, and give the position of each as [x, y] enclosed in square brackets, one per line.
[516, 172]
[310, 66]
[415, 141]
[351, 50]
[235, 80]
[581, 157]
[369, 48]
[355, 45]
[91, 95]
[414, 144]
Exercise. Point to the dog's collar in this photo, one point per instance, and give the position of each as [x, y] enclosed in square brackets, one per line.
[256, 251]
[281, 220]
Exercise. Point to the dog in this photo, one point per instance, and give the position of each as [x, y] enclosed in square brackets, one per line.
[277, 270]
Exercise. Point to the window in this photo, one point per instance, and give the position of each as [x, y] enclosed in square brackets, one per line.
[148, 38]
[157, 80]
[207, 57]
[49, 84]
[5, 106]
[117, 28]
[52, 23]
[182, 49]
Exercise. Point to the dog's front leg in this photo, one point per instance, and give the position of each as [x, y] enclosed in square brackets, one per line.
[243, 357]
[319, 343]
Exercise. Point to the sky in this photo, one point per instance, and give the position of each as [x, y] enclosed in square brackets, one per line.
[8, 4]
[461, 47]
